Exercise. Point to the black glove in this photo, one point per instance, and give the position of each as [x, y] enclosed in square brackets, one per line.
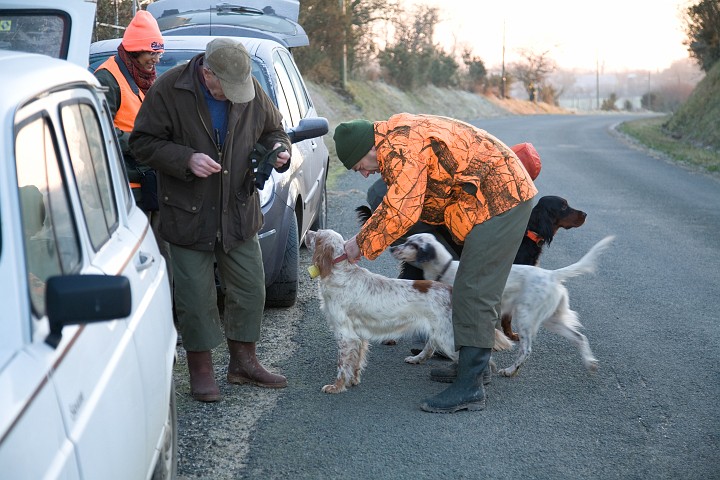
[263, 161]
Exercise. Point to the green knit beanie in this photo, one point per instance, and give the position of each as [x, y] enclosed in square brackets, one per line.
[353, 140]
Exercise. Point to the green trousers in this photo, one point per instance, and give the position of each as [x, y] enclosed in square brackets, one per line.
[195, 294]
[487, 256]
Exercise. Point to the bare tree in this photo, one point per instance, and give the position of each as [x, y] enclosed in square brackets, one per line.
[111, 18]
[341, 34]
[533, 70]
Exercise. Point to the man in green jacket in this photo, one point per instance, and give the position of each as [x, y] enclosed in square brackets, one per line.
[197, 127]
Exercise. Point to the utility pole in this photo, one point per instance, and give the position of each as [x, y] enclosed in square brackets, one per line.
[343, 59]
[597, 83]
[502, 88]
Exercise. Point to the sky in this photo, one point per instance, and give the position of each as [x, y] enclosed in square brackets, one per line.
[613, 35]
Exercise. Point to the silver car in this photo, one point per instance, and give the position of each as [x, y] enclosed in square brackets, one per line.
[293, 201]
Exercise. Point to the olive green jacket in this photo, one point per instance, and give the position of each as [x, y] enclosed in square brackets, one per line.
[173, 123]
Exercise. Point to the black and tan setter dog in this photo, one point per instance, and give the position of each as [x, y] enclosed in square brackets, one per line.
[549, 215]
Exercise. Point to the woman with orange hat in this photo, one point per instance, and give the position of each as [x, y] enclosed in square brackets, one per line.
[128, 76]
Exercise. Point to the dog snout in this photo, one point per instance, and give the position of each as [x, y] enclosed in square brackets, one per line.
[582, 216]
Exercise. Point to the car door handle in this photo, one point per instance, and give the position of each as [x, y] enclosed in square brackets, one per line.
[313, 144]
[144, 261]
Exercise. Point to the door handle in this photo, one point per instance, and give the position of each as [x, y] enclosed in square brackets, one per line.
[144, 261]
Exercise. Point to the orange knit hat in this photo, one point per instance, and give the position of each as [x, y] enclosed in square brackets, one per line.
[143, 34]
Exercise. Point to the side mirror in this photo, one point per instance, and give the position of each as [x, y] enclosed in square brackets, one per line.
[311, 127]
[81, 299]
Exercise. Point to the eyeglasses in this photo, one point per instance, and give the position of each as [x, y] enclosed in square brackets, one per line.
[155, 54]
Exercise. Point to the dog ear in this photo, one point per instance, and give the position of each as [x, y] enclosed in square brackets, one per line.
[323, 257]
[543, 223]
[426, 253]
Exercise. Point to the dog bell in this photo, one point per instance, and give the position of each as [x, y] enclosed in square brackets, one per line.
[314, 271]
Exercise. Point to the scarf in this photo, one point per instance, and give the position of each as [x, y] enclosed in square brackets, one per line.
[143, 78]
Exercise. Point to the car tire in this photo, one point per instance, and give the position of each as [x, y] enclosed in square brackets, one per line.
[320, 222]
[283, 292]
[166, 465]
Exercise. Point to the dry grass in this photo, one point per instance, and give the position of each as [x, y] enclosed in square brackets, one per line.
[378, 100]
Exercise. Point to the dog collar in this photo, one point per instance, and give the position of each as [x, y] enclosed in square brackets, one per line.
[340, 258]
[445, 268]
[539, 241]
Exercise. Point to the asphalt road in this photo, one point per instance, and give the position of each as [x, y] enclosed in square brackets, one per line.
[651, 314]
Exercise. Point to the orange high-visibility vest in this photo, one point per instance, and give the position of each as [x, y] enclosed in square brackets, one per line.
[129, 101]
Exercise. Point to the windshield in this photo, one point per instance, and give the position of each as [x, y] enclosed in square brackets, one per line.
[32, 31]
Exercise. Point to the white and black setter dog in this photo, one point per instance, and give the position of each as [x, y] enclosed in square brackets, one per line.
[533, 296]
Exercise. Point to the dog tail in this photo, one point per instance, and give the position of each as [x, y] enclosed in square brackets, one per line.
[363, 212]
[586, 264]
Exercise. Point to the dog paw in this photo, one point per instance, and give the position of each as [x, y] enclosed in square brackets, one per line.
[414, 360]
[332, 388]
[508, 372]
[592, 366]
[514, 337]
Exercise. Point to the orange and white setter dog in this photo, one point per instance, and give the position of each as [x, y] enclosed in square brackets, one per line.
[362, 307]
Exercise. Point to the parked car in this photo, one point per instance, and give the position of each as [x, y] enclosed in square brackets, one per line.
[87, 342]
[274, 19]
[296, 200]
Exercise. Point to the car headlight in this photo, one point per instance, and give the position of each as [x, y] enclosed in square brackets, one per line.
[267, 192]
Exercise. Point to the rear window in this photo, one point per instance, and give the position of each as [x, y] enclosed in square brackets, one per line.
[46, 32]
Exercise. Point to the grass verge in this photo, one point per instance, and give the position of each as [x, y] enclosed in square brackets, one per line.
[649, 132]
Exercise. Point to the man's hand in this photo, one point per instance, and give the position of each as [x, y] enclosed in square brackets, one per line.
[352, 250]
[202, 165]
[282, 157]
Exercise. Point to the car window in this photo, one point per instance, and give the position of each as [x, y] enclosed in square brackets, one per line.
[173, 58]
[90, 166]
[290, 111]
[35, 32]
[301, 95]
[51, 241]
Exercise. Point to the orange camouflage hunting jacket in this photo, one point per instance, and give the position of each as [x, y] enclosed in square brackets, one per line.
[440, 171]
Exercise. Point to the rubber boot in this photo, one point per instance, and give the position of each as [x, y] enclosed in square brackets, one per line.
[203, 387]
[244, 367]
[449, 374]
[466, 392]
